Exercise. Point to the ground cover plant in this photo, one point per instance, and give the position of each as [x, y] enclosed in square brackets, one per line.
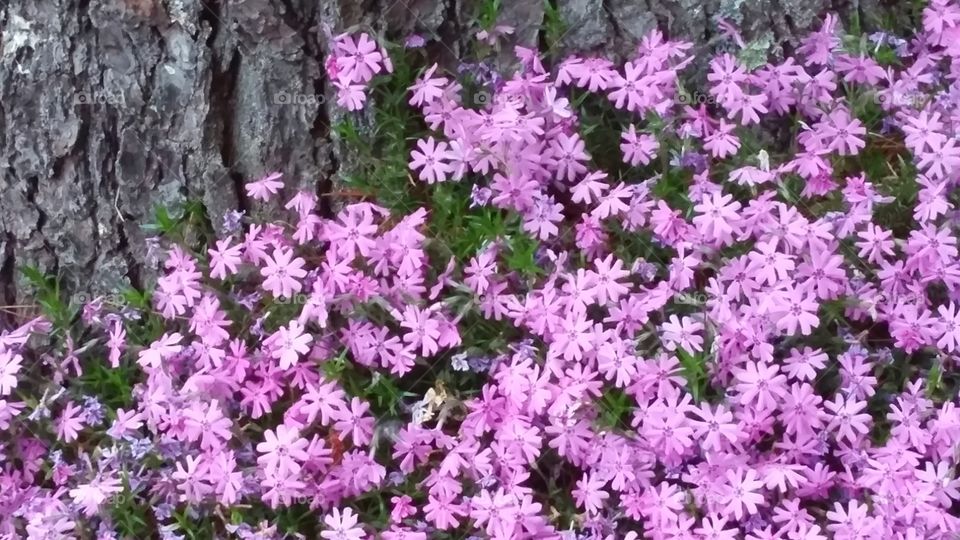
[555, 298]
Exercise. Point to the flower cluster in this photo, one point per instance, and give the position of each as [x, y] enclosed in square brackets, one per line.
[352, 64]
[725, 333]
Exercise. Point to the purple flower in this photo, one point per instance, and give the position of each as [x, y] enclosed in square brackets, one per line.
[231, 222]
[479, 196]
[459, 362]
[693, 160]
[93, 412]
[414, 41]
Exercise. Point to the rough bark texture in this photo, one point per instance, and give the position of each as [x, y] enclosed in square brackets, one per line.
[111, 107]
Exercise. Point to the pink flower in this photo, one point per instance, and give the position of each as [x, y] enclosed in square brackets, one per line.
[950, 319]
[265, 188]
[714, 427]
[593, 73]
[442, 511]
[358, 60]
[568, 153]
[90, 496]
[282, 273]
[427, 88]
[589, 494]
[160, 350]
[819, 46]
[941, 161]
[280, 490]
[849, 422]
[490, 511]
[923, 131]
[351, 97]
[682, 332]
[606, 285]
[207, 423]
[192, 479]
[353, 232]
[282, 451]
[590, 189]
[876, 243]
[742, 495]
[853, 518]
[842, 132]
[116, 343]
[761, 385]
[541, 221]
[224, 259]
[402, 508]
[713, 527]
[722, 143]
[9, 368]
[803, 365]
[748, 106]
[424, 331]
[322, 398]
[824, 274]
[770, 265]
[353, 421]
[125, 423]
[629, 89]
[797, 310]
[431, 158]
[573, 336]
[69, 423]
[727, 75]
[228, 480]
[342, 526]
[717, 217]
[860, 69]
[289, 343]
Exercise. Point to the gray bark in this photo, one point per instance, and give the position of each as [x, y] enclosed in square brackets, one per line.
[111, 107]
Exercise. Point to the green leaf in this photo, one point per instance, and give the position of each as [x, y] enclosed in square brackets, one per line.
[522, 256]
[694, 370]
[934, 378]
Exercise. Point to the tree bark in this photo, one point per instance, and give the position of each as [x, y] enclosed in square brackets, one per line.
[109, 108]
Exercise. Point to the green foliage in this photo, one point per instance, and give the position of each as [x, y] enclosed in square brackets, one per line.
[131, 516]
[194, 528]
[487, 13]
[695, 372]
[553, 29]
[934, 379]
[381, 151]
[299, 518]
[522, 255]
[47, 293]
[113, 386]
[615, 409]
[455, 230]
[383, 393]
[186, 223]
[756, 53]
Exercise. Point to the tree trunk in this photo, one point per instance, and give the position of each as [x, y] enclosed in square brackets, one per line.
[109, 108]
